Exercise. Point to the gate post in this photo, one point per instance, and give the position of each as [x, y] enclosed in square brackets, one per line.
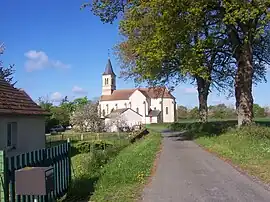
[4, 189]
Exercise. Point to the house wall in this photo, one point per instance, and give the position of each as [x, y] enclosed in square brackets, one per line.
[30, 133]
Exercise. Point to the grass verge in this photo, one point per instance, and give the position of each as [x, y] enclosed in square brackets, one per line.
[248, 148]
[122, 179]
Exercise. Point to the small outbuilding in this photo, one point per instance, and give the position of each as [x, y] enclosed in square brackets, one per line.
[122, 120]
[22, 121]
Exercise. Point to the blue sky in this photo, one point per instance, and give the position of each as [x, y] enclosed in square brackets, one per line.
[61, 50]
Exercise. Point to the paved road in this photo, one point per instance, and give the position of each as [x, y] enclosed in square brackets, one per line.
[187, 173]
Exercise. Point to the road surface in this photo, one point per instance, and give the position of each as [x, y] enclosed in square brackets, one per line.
[187, 173]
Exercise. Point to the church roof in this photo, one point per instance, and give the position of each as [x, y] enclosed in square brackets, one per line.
[16, 101]
[109, 69]
[124, 94]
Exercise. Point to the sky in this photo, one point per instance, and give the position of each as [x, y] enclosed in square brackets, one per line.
[59, 50]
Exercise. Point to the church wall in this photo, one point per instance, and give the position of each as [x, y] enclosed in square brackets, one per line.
[112, 105]
[155, 104]
[137, 99]
[169, 104]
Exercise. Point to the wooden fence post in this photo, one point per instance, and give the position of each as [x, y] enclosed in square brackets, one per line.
[4, 189]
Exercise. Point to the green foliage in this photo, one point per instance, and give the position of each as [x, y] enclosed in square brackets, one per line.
[87, 167]
[170, 41]
[83, 147]
[210, 128]
[258, 111]
[221, 111]
[122, 178]
[194, 113]
[182, 112]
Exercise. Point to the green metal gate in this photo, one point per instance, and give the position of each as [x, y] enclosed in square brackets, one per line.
[57, 156]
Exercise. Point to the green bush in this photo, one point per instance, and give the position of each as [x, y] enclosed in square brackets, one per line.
[254, 131]
[102, 144]
[83, 147]
[209, 128]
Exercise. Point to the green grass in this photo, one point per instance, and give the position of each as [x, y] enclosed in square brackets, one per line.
[248, 148]
[86, 167]
[122, 179]
[158, 127]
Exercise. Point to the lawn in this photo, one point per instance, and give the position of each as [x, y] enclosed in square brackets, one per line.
[123, 178]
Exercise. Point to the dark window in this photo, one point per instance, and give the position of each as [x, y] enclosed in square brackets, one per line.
[11, 134]
[103, 112]
[116, 106]
[167, 110]
[155, 108]
[137, 110]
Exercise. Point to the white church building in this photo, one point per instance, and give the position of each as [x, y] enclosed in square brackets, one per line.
[141, 105]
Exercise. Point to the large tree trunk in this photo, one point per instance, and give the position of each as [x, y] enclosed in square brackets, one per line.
[203, 86]
[243, 85]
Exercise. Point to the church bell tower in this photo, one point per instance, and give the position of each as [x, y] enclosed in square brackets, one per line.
[108, 80]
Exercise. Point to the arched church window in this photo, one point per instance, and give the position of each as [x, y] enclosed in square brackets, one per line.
[103, 112]
[137, 110]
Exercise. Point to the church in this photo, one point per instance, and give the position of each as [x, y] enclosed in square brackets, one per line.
[144, 105]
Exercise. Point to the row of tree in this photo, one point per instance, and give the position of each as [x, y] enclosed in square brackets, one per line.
[215, 44]
[81, 112]
[220, 111]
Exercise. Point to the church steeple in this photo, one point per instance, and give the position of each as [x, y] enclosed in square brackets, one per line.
[108, 79]
[109, 69]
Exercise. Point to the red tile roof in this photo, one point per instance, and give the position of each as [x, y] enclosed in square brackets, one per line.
[148, 92]
[16, 101]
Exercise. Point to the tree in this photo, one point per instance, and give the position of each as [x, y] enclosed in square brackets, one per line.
[119, 122]
[6, 73]
[79, 102]
[182, 112]
[238, 27]
[86, 118]
[259, 111]
[61, 115]
[193, 113]
[159, 51]
[221, 111]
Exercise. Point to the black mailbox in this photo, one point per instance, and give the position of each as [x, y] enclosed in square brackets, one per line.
[34, 181]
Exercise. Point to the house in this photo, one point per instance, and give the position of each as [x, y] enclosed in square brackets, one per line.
[122, 119]
[22, 121]
[154, 105]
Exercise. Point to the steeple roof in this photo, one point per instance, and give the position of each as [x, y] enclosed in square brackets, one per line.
[109, 69]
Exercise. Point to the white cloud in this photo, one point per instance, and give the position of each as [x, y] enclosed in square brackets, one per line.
[190, 90]
[37, 60]
[56, 97]
[78, 90]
